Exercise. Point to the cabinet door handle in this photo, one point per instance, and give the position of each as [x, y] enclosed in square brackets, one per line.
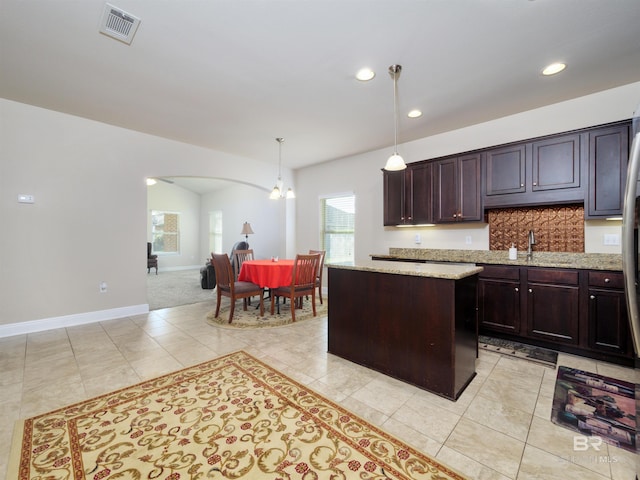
[521, 185]
[607, 280]
[535, 184]
[592, 297]
[530, 291]
[455, 215]
[517, 289]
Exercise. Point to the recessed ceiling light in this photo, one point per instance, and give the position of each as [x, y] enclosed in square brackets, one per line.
[414, 113]
[365, 74]
[554, 68]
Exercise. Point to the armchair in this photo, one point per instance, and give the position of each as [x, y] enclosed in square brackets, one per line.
[152, 260]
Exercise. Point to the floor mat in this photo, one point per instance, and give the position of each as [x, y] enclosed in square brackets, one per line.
[543, 356]
[595, 406]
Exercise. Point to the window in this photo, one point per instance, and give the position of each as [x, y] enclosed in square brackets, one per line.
[165, 232]
[215, 231]
[337, 217]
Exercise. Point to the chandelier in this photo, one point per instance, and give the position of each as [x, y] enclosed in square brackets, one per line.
[278, 190]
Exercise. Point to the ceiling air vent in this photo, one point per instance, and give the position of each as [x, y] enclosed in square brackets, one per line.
[118, 24]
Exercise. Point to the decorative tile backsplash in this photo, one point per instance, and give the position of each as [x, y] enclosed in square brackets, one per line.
[556, 228]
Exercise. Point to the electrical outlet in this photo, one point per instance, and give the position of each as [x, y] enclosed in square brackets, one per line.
[417, 239]
[102, 287]
[467, 239]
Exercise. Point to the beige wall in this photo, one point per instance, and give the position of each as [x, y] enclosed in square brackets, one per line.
[362, 175]
[88, 222]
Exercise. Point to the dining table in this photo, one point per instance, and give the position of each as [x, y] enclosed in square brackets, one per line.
[267, 273]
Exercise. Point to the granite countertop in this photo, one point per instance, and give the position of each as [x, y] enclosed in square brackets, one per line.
[450, 271]
[588, 261]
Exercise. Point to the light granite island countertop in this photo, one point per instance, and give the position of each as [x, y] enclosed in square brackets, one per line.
[586, 261]
[446, 270]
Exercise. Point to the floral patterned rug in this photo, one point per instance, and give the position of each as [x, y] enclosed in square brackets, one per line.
[233, 417]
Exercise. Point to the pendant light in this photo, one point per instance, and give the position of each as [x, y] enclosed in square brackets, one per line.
[277, 190]
[395, 161]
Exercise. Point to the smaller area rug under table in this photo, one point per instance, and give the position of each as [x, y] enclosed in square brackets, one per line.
[596, 406]
[250, 318]
[232, 417]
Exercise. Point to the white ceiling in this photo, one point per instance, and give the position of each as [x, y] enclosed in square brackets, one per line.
[232, 75]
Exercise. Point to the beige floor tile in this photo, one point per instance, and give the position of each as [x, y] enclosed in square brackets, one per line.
[559, 441]
[434, 422]
[500, 417]
[384, 394]
[492, 449]
[500, 390]
[540, 465]
[481, 435]
[412, 437]
[466, 466]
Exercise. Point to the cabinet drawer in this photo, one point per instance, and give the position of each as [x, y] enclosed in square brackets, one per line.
[606, 279]
[553, 275]
[506, 273]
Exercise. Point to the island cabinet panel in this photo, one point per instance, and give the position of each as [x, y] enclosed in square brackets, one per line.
[417, 329]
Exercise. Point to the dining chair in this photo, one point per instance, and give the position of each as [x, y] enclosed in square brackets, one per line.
[227, 286]
[239, 256]
[303, 282]
[319, 273]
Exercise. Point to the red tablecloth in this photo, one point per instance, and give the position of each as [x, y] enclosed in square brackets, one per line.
[267, 273]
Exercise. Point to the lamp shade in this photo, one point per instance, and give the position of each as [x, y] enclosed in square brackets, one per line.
[246, 229]
[394, 163]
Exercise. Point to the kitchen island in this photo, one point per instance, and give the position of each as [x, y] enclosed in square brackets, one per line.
[412, 321]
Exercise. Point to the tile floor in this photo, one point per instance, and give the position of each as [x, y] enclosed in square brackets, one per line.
[498, 429]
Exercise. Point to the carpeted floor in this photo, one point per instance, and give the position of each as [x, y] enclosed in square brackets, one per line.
[172, 289]
[233, 417]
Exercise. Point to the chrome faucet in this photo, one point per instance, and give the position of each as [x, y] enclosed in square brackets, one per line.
[531, 243]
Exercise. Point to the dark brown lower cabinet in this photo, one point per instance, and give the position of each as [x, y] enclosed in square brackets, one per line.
[421, 330]
[608, 320]
[499, 299]
[578, 311]
[553, 305]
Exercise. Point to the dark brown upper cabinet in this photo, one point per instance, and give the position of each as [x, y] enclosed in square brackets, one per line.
[537, 172]
[408, 198]
[608, 157]
[457, 189]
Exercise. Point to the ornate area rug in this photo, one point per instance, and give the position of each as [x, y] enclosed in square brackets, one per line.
[252, 319]
[233, 417]
[542, 356]
[596, 406]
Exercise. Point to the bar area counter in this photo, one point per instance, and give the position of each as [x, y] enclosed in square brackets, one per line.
[412, 321]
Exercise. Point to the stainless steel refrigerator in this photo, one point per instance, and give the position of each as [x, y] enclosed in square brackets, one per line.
[630, 254]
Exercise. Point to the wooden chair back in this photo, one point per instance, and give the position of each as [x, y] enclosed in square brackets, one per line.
[224, 273]
[240, 256]
[322, 254]
[305, 270]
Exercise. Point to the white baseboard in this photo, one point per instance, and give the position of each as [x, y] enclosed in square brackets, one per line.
[33, 326]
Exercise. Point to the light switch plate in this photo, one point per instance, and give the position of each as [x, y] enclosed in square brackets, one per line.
[25, 198]
[611, 239]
